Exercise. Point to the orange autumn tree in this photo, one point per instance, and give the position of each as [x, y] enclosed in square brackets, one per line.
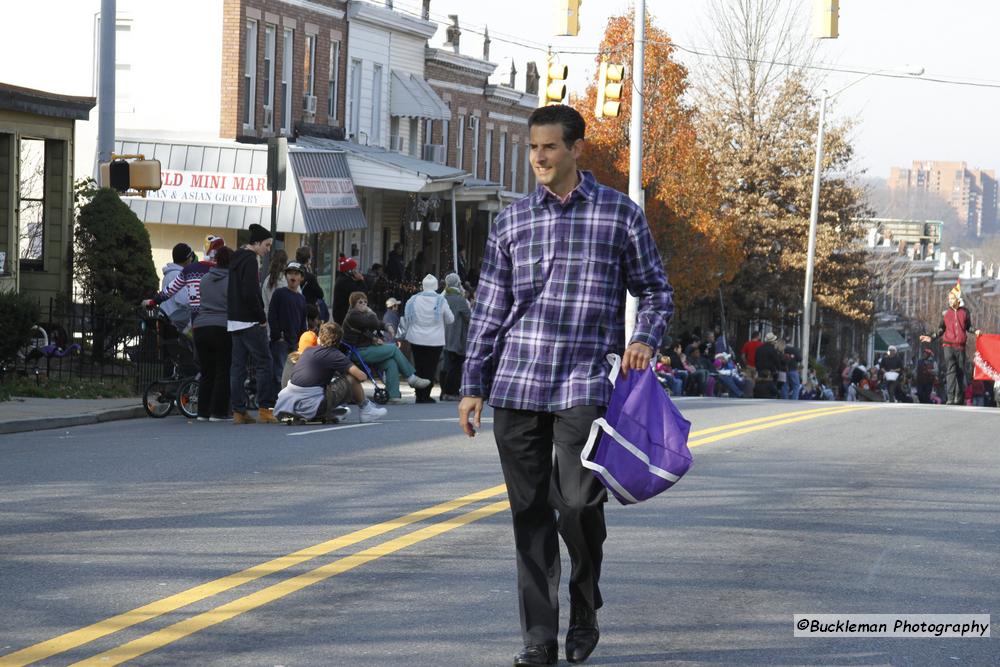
[683, 203]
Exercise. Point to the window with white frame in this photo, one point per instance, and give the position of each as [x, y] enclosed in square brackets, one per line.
[377, 105]
[527, 166]
[489, 155]
[249, 73]
[287, 43]
[270, 38]
[502, 166]
[331, 102]
[309, 74]
[460, 144]
[445, 139]
[355, 119]
[513, 166]
[475, 147]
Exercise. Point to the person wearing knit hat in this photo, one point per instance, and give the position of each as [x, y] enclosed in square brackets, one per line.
[349, 280]
[212, 245]
[424, 320]
[455, 335]
[247, 321]
[956, 323]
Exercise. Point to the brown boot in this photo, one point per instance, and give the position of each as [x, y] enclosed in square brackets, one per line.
[266, 416]
[243, 418]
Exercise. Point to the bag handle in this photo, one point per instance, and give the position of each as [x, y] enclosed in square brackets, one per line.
[616, 367]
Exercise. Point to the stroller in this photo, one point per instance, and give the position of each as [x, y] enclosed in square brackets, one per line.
[179, 384]
[381, 394]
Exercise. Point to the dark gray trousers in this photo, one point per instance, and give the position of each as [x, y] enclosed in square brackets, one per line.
[954, 363]
[551, 494]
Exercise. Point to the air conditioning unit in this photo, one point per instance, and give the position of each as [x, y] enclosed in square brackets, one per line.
[268, 118]
[397, 143]
[309, 104]
[434, 153]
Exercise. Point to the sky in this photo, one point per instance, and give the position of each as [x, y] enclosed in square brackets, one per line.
[898, 120]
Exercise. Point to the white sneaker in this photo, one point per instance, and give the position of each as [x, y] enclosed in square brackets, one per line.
[371, 412]
[418, 382]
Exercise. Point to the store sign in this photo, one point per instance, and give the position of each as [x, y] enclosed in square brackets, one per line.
[319, 193]
[201, 187]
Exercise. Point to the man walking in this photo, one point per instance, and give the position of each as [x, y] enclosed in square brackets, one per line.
[953, 332]
[248, 325]
[550, 305]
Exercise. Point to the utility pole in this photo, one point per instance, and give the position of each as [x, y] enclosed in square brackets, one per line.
[807, 297]
[635, 192]
[106, 83]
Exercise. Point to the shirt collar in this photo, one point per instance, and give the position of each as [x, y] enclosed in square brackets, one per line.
[583, 190]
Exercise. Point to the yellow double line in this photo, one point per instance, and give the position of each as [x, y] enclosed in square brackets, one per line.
[229, 610]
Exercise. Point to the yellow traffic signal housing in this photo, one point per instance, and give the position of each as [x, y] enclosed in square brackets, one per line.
[131, 174]
[609, 90]
[826, 19]
[567, 17]
[553, 88]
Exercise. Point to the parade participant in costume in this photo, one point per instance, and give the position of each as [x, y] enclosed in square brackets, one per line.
[953, 332]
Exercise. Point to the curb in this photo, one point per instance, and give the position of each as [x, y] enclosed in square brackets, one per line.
[47, 423]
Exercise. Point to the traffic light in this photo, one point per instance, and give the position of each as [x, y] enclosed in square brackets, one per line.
[553, 83]
[609, 90]
[567, 17]
[131, 174]
[826, 19]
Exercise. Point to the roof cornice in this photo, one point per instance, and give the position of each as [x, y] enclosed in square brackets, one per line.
[386, 18]
[452, 59]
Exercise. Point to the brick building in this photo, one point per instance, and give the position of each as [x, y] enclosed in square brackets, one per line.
[972, 193]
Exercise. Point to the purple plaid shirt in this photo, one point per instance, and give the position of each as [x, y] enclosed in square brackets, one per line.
[551, 298]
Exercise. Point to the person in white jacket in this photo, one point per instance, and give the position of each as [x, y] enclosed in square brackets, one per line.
[424, 321]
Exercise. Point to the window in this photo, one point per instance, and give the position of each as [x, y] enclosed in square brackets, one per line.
[31, 201]
[527, 168]
[461, 141]
[445, 139]
[513, 167]
[288, 38]
[474, 125]
[377, 105]
[269, 50]
[309, 74]
[414, 138]
[355, 126]
[502, 168]
[331, 102]
[249, 74]
[489, 155]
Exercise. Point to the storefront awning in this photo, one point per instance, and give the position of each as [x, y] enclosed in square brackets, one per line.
[885, 337]
[412, 97]
[382, 169]
[326, 192]
[221, 185]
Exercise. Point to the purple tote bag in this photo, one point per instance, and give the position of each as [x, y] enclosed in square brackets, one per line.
[639, 448]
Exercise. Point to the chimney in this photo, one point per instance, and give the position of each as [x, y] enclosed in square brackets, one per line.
[425, 13]
[513, 73]
[486, 43]
[453, 33]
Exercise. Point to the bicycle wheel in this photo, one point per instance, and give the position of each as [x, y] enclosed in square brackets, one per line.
[158, 399]
[187, 398]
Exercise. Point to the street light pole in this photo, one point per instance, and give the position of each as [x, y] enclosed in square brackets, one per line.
[106, 84]
[807, 299]
[635, 141]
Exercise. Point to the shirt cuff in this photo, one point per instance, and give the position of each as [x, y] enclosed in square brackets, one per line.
[644, 338]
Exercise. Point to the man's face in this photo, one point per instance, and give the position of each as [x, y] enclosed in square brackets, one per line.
[952, 300]
[294, 279]
[552, 160]
[263, 247]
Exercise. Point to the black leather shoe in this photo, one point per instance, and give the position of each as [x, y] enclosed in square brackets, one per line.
[538, 655]
[583, 633]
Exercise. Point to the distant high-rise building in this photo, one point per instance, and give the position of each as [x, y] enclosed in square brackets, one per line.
[971, 192]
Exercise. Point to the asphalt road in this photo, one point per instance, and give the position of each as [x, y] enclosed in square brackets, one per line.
[165, 542]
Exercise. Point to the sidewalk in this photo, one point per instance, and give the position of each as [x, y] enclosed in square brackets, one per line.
[35, 414]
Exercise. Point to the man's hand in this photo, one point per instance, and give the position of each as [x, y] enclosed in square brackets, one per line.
[636, 356]
[470, 406]
[925, 339]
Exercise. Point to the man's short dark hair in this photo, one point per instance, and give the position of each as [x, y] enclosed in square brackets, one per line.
[572, 122]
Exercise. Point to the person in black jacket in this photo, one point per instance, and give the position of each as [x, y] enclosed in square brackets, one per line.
[769, 360]
[247, 322]
[311, 289]
[348, 281]
[286, 317]
[892, 366]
